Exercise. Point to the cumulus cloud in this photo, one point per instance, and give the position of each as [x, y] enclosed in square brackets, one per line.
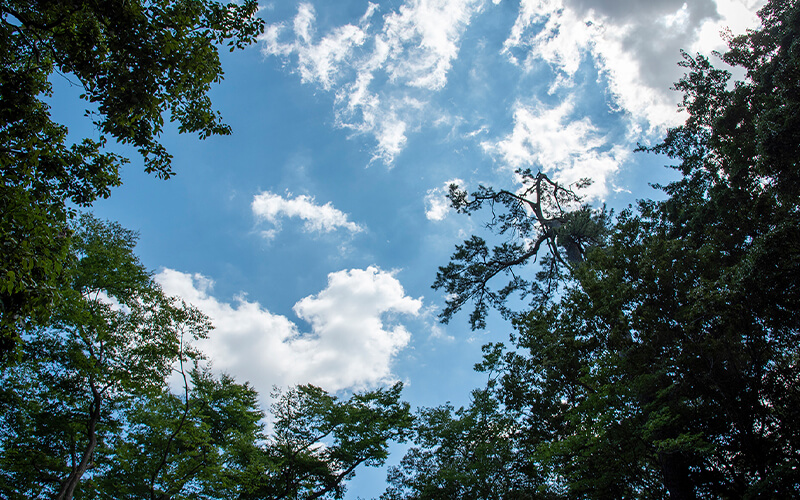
[567, 148]
[353, 339]
[437, 204]
[271, 208]
[635, 45]
[411, 54]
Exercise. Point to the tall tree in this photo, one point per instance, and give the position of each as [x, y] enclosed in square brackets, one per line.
[137, 62]
[114, 337]
[669, 365]
[210, 442]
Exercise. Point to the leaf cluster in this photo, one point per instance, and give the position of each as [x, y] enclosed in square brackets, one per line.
[468, 453]
[541, 215]
[137, 63]
[319, 441]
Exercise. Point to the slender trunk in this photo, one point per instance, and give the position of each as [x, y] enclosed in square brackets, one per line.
[68, 488]
[174, 434]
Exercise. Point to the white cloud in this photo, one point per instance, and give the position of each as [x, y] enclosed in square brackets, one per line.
[353, 340]
[316, 62]
[423, 40]
[736, 15]
[635, 45]
[411, 55]
[568, 149]
[439, 333]
[271, 208]
[437, 204]
[560, 42]
[386, 69]
[481, 130]
[570, 35]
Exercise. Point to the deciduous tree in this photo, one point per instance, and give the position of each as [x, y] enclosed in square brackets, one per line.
[114, 338]
[319, 441]
[92, 408]
[138, 64]
[197, 443]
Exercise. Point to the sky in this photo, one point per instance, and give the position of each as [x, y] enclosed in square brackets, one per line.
[312, 235]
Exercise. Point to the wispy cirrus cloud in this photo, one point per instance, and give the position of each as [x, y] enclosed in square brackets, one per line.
[318, 61]
[272, 208]
[353, 339]
[410, 54]
[387, 70]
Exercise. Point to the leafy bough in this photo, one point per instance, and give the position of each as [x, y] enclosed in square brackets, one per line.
[542, 215]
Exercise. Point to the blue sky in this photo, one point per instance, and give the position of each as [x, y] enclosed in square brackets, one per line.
[311, 236]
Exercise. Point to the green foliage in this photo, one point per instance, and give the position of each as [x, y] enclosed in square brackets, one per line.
[542, 213]
[469, 453]
[190, 447]
[137, 63]
[90, 410]
[115, 336]
[318, 441]
[668, 365]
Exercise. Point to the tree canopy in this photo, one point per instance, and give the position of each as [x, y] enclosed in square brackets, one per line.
[111, 399]
[668, 363]
[657, 355]
[137, 63]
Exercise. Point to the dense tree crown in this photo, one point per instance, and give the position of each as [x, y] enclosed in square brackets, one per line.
[668, 364]
[138, 63]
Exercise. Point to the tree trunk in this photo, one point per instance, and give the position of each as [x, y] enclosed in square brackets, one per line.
[68, 488]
